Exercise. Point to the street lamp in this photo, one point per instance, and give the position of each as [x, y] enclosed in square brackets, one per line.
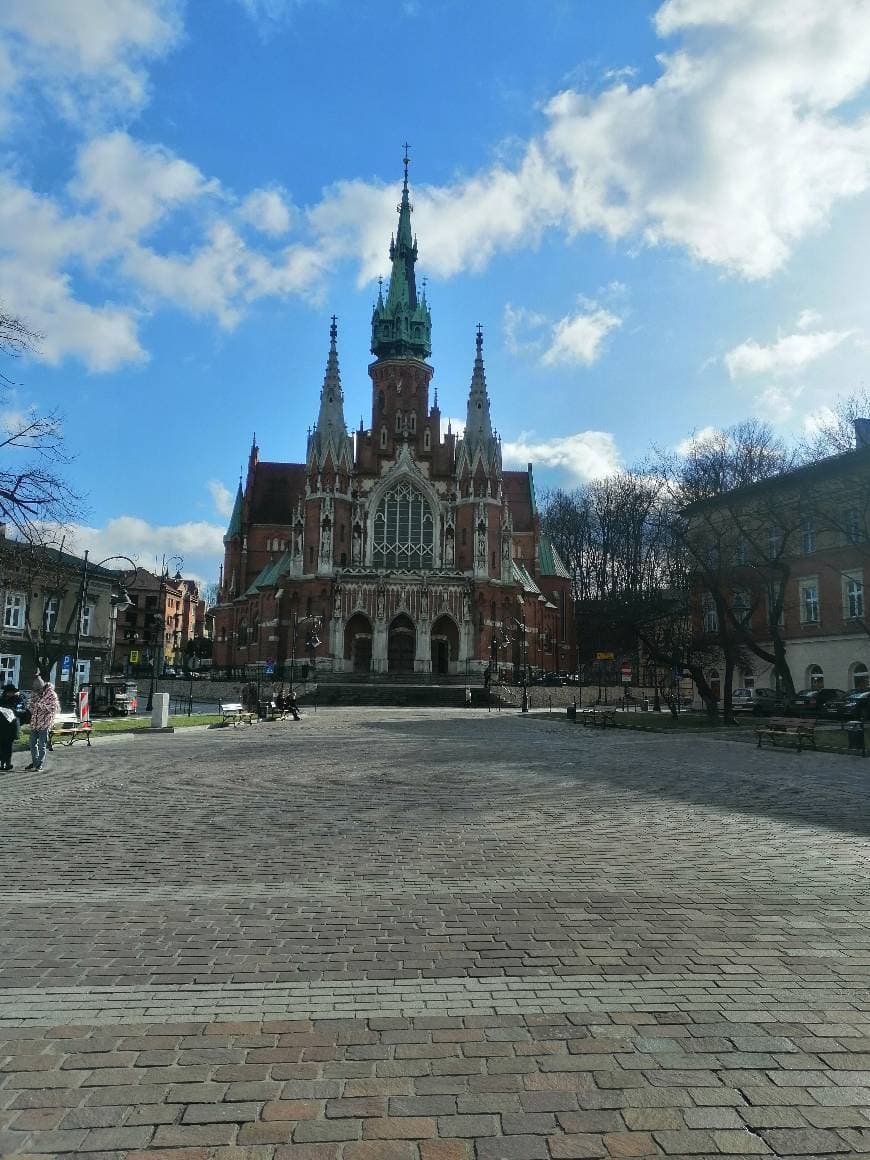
[521, 627]
[118, 603]
[312, 640]
[159, 623]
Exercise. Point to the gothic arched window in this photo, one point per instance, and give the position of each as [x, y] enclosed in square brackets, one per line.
[403, 530]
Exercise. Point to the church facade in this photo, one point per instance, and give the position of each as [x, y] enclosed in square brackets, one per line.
[397, 549]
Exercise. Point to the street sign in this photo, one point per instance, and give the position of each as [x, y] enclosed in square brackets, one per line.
[65, 668]
[626, 673]
[269, 668]
[134, 656]
[604, 656]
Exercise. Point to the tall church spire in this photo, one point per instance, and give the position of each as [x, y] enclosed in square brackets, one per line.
[478, 423]
[402, 326]
[331, 429]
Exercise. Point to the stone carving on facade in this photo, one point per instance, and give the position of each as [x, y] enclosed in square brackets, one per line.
[382, 603]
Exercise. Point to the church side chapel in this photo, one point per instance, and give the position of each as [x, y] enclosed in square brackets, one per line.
[398, 549]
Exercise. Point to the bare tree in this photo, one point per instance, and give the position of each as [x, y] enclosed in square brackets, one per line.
[32, 486]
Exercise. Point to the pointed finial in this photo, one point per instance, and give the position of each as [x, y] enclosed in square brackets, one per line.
[333, 333]
[479, 340]
[436, 396]
[406, 161]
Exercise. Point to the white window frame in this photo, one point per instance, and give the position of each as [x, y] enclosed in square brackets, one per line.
[774, 541]
[10, 668]
[14, 610]
[710, 617]
[808, 537]
[741, 606]
[51, 613]
[853, 596]
[807, 605]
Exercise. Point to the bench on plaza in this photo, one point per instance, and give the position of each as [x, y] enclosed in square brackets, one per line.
[787, 729]
[234, 712]
[69, 729]
[599, 718]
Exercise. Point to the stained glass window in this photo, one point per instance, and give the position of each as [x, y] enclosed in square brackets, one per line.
[403, 530]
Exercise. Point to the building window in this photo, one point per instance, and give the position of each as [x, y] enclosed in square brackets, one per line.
[853, 526]
[809, 602]
[10, 667]
[774, 542]
[815, 677]
[243, 633]
[398, 420]
[86, 620]
[427, 439]
[853, 598]
[708, 615]
[808, 538]
[255, 629]
[741, 553]
[383, 437]
[403, 530]
[741, 607]
[859, 677]
[13, 616]
[51, 613]
[412, 422]
[774, 597]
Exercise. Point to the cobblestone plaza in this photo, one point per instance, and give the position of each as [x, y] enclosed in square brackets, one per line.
[434, 935]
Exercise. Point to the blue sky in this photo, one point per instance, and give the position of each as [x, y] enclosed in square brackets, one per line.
[658, 212]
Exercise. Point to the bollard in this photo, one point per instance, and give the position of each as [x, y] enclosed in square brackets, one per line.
[160, 712]
[855, 735]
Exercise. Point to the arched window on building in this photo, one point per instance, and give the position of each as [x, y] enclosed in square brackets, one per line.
[403, 530]
[815, 677]
[255, 629]
[383, 437]
[412, 423]
[427, 439]
[859, 676]
[243, 633]
[398, 420]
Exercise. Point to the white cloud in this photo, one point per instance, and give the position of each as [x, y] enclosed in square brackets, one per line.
[134, 186]
[577, 338]
[787, 355]
[267, 211]
[696, 439]
[586, 455]
[200, 544]
[89, 59]
[808, 318]
[222, 497]
[776, 403]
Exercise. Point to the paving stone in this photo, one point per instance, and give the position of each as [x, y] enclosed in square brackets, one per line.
[578, 1146]
[512, 1148]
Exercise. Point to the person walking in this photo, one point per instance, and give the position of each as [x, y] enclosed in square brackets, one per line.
[292, 705]
[10, 726]
[44, 708]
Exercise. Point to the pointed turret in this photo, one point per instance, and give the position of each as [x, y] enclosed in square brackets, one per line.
[402, 326]
[235, 525]
[478, 423]
[331, 429]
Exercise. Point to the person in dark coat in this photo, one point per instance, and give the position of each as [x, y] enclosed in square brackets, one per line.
[10, 727]
[291, 705]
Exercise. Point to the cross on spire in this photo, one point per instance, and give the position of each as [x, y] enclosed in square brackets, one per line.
[406, 161]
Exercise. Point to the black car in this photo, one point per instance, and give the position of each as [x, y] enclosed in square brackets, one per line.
[854, 707]
[811, 702]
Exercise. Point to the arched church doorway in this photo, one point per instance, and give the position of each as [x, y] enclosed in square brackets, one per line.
[445, 644]
[401, 645]
[358, 643]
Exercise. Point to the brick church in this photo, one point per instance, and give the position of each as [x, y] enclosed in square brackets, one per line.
[398, 548]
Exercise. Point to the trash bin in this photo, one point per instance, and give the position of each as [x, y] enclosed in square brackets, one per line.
[855, 734]
[572, 712]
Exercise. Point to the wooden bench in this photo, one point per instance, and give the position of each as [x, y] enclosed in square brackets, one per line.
[234, 712]
[599, 718]
[788, 729]
[69, 729]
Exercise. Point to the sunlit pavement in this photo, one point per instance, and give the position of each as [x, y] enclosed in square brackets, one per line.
[434, 935]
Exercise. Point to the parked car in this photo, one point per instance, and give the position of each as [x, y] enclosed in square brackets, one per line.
[757, 701]
[854, 707]
[811, 702]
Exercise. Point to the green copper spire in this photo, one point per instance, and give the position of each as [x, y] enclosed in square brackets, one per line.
[402, 326]
[235, 528]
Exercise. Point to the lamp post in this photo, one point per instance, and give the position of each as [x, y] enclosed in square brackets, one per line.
[159, 624]
[122, 602]
[311, 640]
[524, 657]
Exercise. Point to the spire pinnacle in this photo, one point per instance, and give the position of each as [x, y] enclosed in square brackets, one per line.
[478, 425]
[330, 428]
[401, 325]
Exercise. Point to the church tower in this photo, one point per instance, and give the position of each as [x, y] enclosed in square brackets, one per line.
[401, 343]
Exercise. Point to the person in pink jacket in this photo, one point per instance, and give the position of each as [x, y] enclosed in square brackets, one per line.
[44, 707]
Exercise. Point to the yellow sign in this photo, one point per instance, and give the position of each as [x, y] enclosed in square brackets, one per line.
[134, 656]
[604, 656]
